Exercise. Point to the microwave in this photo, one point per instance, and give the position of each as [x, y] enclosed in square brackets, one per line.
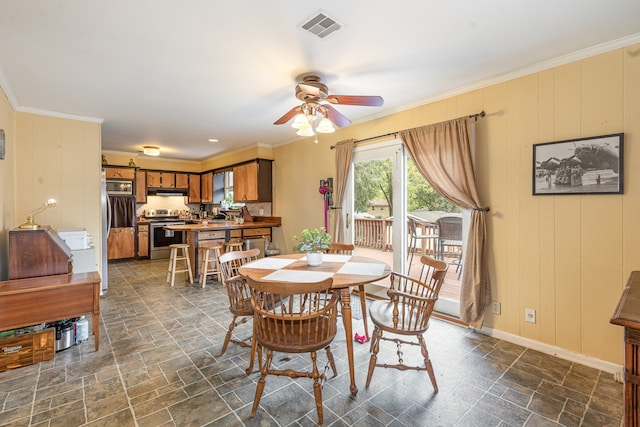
[120, 187]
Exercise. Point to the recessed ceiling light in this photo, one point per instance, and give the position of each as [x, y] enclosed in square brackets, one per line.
[213, 140]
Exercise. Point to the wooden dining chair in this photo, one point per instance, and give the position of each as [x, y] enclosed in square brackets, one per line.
[347, 249]
[291, 317]
[407, 314]
[239, 298]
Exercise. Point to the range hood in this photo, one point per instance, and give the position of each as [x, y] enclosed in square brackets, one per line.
[166, 192]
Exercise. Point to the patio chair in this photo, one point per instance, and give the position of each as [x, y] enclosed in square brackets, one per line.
[414, 238]
[450, 239]
[407, 314]
[294, 318]
[239, 298]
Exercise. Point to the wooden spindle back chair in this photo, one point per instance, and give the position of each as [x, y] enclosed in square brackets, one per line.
[294, 318]
[407, 313]
[239, 298]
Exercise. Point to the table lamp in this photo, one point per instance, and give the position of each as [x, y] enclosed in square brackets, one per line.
[30, 224]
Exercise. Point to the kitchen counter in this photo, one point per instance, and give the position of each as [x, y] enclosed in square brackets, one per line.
[218, 230]
[221, 224]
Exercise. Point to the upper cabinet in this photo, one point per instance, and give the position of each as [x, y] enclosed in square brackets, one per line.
[206, 187]
[119, 173]
[161, 180]
[182, 180]
[141, 187]
[252, 181]
[194, 188]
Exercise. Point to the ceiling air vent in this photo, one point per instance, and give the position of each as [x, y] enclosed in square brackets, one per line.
[321, 25]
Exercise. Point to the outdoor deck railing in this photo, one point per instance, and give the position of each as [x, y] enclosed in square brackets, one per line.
[376, 233]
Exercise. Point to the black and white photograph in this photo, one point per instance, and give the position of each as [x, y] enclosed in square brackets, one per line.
[579, 166]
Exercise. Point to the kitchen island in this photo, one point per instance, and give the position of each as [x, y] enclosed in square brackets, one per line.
[199, 234]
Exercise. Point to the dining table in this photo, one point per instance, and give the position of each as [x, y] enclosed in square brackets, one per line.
[345, 270]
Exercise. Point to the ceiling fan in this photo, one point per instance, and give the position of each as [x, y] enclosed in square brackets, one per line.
[316, 99]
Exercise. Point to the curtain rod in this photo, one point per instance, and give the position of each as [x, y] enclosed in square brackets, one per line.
[395, 134]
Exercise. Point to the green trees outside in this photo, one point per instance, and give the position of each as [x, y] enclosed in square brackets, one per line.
[372, 179]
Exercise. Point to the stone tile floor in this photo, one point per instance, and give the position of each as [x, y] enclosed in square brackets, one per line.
[159, 365]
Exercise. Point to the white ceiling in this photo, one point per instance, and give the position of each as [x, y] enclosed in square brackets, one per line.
[176, 73]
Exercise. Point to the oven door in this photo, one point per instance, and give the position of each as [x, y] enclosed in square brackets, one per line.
[161, 238]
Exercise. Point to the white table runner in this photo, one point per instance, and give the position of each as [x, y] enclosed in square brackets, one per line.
[297, 276]
[269, 263]
[362, 268]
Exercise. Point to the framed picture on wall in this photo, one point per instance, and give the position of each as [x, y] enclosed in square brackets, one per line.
[591, 165]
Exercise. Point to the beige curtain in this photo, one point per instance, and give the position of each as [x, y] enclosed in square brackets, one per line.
[442, 153]
[344, 150]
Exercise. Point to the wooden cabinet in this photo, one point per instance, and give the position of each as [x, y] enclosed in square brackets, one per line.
[627, 314]
[38, 252]
[206, 187]
[194, 188]
[182, 180]
[252, 181]
[161, 180]
[141, 187]
[119, 173]
[143, 240]
[121, 243]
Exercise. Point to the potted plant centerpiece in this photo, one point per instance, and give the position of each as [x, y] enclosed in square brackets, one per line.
[313, 241]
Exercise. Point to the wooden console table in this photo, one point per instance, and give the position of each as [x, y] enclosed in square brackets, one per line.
[627, 314]
[34, 300]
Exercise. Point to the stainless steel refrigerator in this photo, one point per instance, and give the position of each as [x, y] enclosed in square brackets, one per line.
[106, 227]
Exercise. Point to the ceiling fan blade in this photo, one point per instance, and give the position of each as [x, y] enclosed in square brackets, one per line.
[336, 116]
[369, 101]
[288, 116]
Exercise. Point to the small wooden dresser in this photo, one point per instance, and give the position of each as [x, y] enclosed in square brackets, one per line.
[627, 314]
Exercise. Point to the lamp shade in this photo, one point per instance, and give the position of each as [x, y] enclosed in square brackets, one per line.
[150, 150]
[325, 126]
[301, 122]
[305, 132]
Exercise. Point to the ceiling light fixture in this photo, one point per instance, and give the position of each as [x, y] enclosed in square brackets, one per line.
[150, 150]
[308, 114]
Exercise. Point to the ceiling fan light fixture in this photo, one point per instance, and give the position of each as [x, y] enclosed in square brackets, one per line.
[305, 132]
[301, 122]
[325, 126]
[151, 150]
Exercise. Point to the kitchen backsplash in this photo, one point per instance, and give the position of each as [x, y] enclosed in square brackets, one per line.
[162, 202]
[178, 203]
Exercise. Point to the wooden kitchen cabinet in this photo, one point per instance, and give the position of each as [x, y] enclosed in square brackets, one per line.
[161, 180]
[206, 187]
[252, 181]
[182, 180]
[121, 243]
[141, 187]
[119, 173]
[143, 240]
[194, 188]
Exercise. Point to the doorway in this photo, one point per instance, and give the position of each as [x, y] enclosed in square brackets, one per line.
[384, 190]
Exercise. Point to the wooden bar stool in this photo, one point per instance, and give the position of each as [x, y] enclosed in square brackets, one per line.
[232, 246]
[210, 261]
[174, 258]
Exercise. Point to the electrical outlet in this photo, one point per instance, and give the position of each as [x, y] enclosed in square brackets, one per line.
[495, 307]
[530, 315]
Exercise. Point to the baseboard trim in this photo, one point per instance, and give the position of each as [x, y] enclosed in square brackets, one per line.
[555, 351]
